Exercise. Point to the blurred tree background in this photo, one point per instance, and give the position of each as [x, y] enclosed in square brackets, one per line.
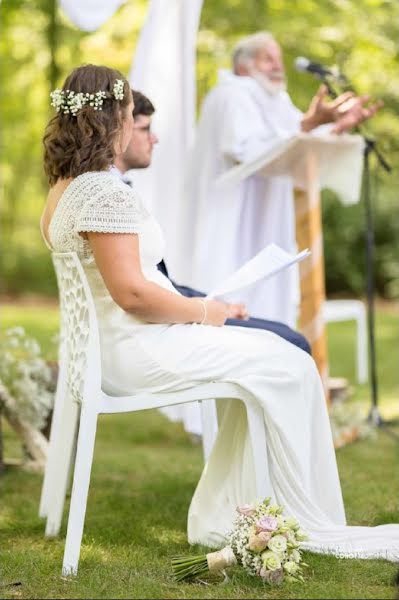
[39, 46]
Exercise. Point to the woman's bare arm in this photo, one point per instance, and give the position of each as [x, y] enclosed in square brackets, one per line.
[118, 260]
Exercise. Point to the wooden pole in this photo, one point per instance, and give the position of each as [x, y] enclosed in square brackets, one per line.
[309, 235]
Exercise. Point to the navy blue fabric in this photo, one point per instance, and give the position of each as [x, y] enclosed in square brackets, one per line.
[280, 329]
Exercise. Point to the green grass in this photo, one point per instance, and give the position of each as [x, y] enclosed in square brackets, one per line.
[144, 473]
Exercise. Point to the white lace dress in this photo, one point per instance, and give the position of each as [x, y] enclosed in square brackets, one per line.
[137, 355]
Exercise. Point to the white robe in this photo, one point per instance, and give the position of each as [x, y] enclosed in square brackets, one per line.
[222, 229]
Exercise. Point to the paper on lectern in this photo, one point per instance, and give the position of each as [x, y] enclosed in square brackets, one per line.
[268, 262]
[242, 170]
[339, 163]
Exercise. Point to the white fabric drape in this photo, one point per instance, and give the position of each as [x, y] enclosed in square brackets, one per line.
[89, 15]
[164, 70]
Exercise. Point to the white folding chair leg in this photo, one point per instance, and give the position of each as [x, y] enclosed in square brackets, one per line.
[51, 464]
[209, 426]
[80, 490]
[256, 426]
[362, 351]
[59, 477]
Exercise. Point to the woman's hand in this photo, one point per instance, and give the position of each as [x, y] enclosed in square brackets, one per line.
[237, 311]
[216, 313]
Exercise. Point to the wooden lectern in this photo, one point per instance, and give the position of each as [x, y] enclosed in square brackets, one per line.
[314, 162]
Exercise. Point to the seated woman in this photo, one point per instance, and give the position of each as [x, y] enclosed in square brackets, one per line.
[154, 339]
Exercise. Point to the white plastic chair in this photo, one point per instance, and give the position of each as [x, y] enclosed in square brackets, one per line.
[348, 310]
[80, 399]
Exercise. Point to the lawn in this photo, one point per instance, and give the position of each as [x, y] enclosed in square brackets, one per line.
[144, 474]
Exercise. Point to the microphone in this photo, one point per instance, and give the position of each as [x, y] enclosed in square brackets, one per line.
[304, 65]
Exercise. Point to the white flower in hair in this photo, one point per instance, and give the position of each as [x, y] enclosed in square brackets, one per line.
[57, 99]
[118, 89]
[75, 102]
[70, 102]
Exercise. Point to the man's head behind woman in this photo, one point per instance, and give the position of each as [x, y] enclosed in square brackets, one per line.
[90, 139]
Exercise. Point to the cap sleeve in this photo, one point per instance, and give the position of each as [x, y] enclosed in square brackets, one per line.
[111, 207]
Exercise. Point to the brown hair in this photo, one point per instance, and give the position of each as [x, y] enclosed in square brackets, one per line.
[142, 105]
[76, 144]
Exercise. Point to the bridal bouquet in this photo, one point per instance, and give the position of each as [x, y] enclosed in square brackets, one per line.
[263, 541]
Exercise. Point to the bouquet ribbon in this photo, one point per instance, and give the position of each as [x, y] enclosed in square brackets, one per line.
[217, 561]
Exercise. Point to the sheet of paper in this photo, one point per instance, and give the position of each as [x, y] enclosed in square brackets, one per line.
[263, 265]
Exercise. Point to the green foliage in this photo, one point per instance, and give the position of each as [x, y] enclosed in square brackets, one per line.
[345, 247]
[31, 272]
[39, 46]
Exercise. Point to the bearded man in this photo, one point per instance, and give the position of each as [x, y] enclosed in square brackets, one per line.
[246, 114]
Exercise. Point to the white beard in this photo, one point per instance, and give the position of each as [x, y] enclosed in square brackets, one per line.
[270, 86]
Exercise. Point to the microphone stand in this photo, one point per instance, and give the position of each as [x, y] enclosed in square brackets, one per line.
[374, 415]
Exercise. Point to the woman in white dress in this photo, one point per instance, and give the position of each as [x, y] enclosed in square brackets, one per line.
[153, 339]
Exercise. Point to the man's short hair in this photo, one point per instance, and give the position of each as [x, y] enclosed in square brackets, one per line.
[142, 105]
[247, 48]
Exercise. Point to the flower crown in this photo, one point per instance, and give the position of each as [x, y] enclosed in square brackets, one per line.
[70, 102]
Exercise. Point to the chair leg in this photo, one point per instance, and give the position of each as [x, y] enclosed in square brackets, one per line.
[209, 426]
[58, 477]
[257, 431]
[80, 490]
[51, 463]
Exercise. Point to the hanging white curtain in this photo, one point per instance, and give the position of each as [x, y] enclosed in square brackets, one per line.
[89, 15]
[164, 70]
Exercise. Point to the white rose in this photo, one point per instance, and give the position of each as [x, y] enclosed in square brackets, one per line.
[278, 543]
[271, 561]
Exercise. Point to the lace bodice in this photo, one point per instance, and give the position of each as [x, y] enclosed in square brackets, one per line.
[95, 201]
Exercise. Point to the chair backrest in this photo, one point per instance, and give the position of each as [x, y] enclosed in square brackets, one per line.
[79, 355]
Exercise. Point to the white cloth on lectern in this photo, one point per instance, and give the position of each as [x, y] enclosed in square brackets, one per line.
[225, 228]
[164, 70]
[89, 15]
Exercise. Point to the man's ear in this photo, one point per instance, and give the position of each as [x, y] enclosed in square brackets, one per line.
[241, 70]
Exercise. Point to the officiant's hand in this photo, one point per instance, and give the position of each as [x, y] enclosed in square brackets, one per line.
[347, 111]
[354, 111]
[237, 311]
[322, 111]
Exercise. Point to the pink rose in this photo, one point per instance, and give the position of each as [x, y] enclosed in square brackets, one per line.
[258, 543]
[266, 524]
[246, 509]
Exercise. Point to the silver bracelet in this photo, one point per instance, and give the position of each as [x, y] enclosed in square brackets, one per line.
[203, 302]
